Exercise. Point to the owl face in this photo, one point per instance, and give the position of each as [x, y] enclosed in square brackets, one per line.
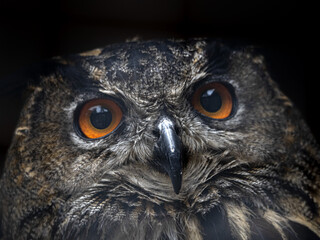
[150, 130]
[154, 107]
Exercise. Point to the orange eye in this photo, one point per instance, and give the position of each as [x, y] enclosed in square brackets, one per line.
[213, 100]
[99, 117]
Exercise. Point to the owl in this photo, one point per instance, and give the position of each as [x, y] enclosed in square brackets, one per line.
[173, 139]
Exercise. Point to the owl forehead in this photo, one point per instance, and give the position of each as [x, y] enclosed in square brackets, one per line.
[148, 69]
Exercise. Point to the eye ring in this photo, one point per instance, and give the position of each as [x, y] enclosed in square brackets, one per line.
[213, 100]
[98, 118]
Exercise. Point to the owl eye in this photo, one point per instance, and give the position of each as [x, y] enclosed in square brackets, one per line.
[99, 117]
[213, 100]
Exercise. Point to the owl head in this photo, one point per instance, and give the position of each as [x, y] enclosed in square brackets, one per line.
[158, 139]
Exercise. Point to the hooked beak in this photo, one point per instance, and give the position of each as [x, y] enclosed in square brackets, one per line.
[168, 152]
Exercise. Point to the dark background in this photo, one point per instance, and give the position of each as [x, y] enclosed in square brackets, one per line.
[284, 31]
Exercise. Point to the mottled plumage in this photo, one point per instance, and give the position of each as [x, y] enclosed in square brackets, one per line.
[251, 175]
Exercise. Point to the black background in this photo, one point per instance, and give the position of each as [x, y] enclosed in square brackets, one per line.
[284, 31]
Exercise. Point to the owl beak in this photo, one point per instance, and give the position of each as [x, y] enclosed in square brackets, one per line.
[168, 152]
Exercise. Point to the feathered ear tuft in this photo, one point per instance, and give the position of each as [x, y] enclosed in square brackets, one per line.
[136, 38]
[218, 58]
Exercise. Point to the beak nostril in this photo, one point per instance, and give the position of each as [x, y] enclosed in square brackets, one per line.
[177, 130]
[156, 132]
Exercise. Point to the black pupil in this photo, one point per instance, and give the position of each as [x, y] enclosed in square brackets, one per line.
[211, 100]
[100, 117]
